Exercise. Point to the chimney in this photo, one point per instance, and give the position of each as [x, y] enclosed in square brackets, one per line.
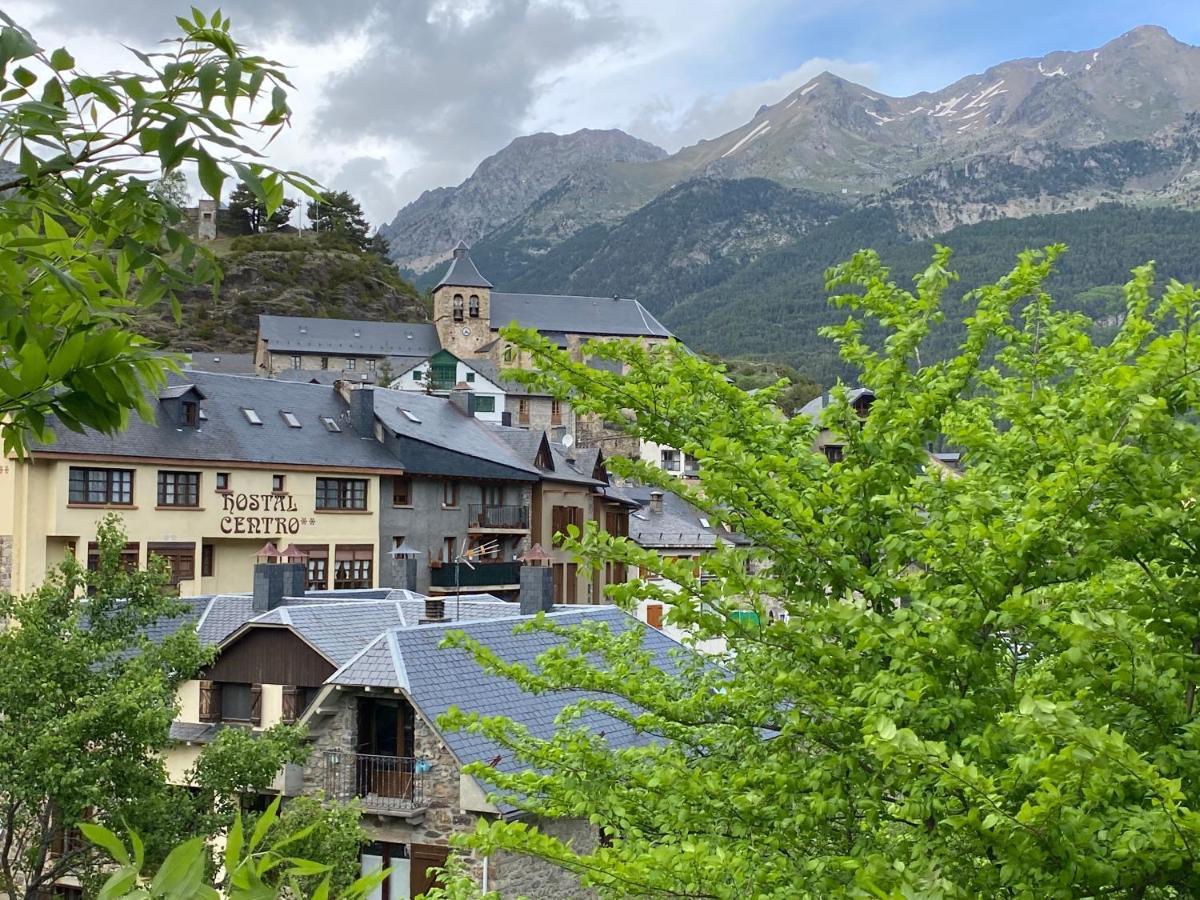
[274, 581]
[656, 498]
[506, 419]
[435, 610]
[537, 589]
[362, 409]
[463, 399]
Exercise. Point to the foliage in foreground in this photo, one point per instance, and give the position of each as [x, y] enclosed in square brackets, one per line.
[985, 685]
[87, 701]
[88, 235]
[267, 863]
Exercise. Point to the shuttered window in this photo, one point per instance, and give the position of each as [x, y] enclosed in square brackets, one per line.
[210, 701]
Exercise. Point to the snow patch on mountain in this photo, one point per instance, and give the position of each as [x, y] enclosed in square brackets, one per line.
[760, 129]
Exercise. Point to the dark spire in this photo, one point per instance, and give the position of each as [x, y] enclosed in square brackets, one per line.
[462, 272]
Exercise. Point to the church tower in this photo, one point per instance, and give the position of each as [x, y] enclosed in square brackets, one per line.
[462, 304]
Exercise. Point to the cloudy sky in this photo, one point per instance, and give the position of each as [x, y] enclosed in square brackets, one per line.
[397, 96]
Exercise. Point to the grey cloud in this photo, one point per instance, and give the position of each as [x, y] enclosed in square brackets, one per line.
[455, 88]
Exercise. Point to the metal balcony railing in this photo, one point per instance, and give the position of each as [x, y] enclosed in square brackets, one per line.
[483, 515]
[485, 574]
[382, 783]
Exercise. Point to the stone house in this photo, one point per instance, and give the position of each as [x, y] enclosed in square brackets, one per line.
[365, 673]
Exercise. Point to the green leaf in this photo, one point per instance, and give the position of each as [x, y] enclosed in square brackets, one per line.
[61, 60]
[211, 176]
[102, 837]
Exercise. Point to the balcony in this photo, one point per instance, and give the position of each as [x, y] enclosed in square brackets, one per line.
[387, 785]
[494, 575]
[485, 517]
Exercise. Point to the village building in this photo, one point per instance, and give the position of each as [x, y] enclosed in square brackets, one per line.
[375, 487]
[365, 672]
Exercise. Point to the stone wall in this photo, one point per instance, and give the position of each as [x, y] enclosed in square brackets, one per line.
[513, 875]
[6, 562]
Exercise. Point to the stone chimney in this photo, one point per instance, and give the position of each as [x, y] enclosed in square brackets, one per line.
[461, 397]
[656, 498]
[362, 409]
[435, 610]
[274, 581]
[537, 589]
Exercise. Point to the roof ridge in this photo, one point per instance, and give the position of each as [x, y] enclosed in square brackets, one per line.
[398, 660]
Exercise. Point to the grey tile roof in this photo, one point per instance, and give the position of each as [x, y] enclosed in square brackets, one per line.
[814, 407]
[348, 336]
[677, 526]
[462, 271]
[441, 678]
[526, 442]
[221, 363]
[575, 315]
[423, 445]
[225, 614]
[225, 435]
[324, 376]
[195, 732]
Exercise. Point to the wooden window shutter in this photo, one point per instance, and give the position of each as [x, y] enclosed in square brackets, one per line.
[210, 702]
[256, 704]
[556, 520]
[291, 704]
[572, 576]
[654, 615]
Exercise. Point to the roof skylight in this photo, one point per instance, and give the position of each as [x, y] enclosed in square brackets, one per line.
[330, 424]
[251, 416]
[290, 418]
[409, 414]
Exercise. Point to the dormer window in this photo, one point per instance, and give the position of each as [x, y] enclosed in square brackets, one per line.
[457, 306]
[862, 403]
[473, 306]
[191, 412]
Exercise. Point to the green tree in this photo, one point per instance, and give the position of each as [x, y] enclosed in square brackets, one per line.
[85, 241]
[267, 863]
[332, 834]
[87, 702]
[244, 204]
[173, 188]
[985, 683]
[337, 212]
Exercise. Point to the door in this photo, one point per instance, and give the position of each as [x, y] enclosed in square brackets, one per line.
[385, 748]
[424, 857]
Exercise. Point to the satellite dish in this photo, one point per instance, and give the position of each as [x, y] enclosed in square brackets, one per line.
[567, 441]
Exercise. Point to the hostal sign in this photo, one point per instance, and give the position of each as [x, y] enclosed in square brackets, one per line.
[261, 514]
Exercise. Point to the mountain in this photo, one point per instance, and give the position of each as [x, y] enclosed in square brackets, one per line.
[727, 240]
[502, 187]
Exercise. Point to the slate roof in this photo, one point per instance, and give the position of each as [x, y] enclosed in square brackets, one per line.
[462, 271]
[677, 526]
[337, 336]
[225, 435]
[526, 443]
[437, 679]
[814, 407]
[221, 363]
[446, 441]
[576, 315]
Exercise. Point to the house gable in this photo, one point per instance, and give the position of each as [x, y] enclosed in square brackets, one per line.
[264, 654]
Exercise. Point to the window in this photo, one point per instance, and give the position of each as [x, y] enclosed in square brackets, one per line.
[562, 516]
[324, 362]
[370, 365]
[416, 375]
[473, 306]
[448, 549]
[449, 493]
[178, 488]
[397, 541]
[222, 481]
[410, 415]
[251, 416]
[295, 362]
[458, 307]
[485, 403]
[401, 491]
[350, 364]
[129, 556]
[180, 557]
[191, 412]
[235, 702]
[691, 465]
[317, 567]
[555, 412]
[341, 493]
[277, 483]
[566, 583]
[833, 452]
[508, 354]
[330, 424]
[289, 418]
[113, 487]
[207, 552]
[670, 459]
[470, 376]
[352, 566]
[523, 411]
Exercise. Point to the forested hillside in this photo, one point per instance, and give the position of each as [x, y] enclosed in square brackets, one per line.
[773, 308]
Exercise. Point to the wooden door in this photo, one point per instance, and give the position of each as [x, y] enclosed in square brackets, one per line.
[423, 858]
